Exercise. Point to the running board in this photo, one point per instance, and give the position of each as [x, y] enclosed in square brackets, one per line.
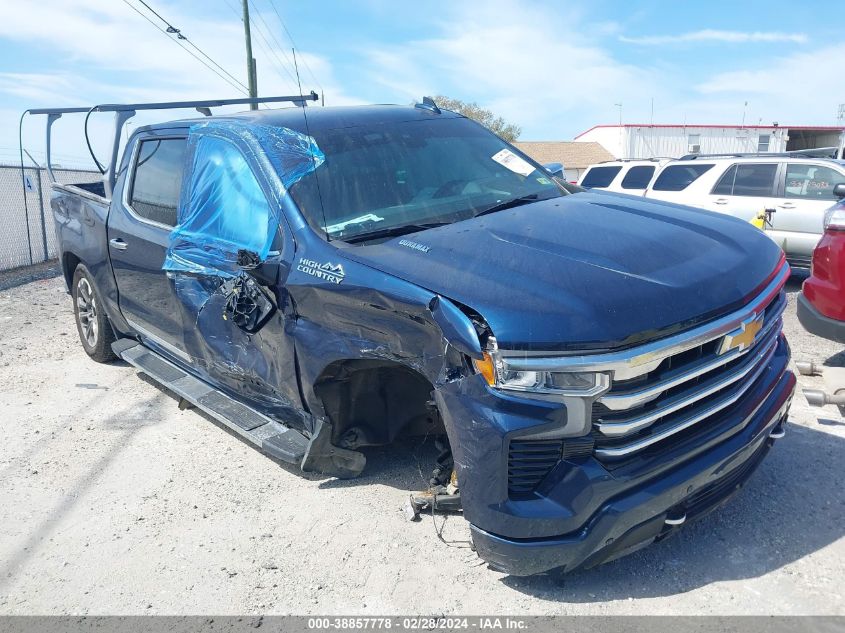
[270, 436]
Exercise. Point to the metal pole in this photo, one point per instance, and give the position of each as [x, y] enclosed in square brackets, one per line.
[40, 206]
[46, 256]
[23, 186]
[250, 63]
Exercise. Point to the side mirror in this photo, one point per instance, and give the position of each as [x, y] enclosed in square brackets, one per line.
[839, 190]
[555, 169]
[265, 272]
[248, 260]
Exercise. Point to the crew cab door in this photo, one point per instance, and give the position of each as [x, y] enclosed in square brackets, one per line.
[797, 224]
[745, 189]
[141, 217]
[235, 317]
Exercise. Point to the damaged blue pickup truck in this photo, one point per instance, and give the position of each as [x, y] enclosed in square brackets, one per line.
[599, 368]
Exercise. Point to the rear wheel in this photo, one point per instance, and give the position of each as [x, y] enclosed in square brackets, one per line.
[95, 332]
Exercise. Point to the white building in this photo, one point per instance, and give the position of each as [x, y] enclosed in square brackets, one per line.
[633, 140]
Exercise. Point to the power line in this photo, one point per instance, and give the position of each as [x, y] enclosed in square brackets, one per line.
[290, 37]
[280, 46]
[268, 51]
[277, 65]
[236, 84]
[179, 36]
[175, 30]
[269, 45]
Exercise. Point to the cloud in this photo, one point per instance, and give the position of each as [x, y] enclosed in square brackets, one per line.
[540, 70]
[792, 89]
[556, 77]
[554, 73]
[711, 35]
[101, 40]
[798, 78]
[101, 51]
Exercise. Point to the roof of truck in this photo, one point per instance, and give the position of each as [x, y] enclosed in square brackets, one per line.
[319, 118]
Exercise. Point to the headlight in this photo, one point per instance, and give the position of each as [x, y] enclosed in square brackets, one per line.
[494, 371]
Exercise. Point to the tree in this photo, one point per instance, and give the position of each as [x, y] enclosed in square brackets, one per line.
[508, 131]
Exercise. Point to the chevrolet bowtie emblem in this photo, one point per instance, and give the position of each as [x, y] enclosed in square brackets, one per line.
[742, 337]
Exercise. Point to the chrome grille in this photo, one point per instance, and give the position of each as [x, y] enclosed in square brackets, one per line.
[682, 391]
[666, 387]
[701, 398]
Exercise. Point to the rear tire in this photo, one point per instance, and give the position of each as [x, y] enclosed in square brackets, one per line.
[95, 331]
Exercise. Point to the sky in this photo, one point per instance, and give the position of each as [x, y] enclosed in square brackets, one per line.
[554, 68]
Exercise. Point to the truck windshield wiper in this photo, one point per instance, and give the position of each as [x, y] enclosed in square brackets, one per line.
[393, 231]
[508, 204]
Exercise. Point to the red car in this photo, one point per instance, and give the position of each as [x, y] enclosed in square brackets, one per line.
[821, 304]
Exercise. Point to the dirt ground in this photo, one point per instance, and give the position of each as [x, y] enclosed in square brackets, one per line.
[113, 501]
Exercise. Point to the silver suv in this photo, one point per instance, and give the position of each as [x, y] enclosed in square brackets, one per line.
[799, 190]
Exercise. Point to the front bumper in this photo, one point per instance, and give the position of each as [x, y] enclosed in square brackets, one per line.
[817, 323]
[585, 514]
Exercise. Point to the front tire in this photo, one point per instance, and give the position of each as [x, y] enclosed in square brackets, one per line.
[95, 331]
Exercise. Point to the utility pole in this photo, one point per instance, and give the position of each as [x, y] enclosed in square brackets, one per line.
[252, 75]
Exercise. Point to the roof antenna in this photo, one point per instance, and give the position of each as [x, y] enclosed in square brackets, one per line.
[298, 82]
[428, 104]
[310, 145]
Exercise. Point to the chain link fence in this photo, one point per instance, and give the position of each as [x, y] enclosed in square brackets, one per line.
[27, 234]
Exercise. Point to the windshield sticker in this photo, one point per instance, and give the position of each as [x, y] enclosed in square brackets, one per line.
[361, 219]
[333, 273]
[415, 245]
[508, 159]
[544, 181]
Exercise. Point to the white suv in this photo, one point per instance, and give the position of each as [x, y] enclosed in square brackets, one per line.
[631, 176]
[798, 189]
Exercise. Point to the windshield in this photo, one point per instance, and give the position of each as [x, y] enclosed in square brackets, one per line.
[414, 174]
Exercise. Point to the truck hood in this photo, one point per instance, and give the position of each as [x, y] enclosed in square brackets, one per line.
[588, 271]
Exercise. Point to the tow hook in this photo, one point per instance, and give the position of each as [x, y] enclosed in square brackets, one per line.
[778, 432]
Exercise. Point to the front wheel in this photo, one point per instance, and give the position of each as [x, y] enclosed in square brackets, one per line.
[93, 325]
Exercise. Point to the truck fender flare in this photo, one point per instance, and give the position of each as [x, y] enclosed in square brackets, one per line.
[456, 327]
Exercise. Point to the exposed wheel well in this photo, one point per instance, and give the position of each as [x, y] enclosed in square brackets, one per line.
[372, 402]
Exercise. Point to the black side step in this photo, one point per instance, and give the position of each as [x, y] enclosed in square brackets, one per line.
[270, 436]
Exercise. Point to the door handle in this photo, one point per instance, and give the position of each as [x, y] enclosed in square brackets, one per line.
[118, 244]
[720, 201]
[788, 205]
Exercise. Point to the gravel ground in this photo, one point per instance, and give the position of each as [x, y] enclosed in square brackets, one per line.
[116, 502]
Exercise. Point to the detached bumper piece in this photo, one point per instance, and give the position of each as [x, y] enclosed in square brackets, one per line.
[652, 511]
